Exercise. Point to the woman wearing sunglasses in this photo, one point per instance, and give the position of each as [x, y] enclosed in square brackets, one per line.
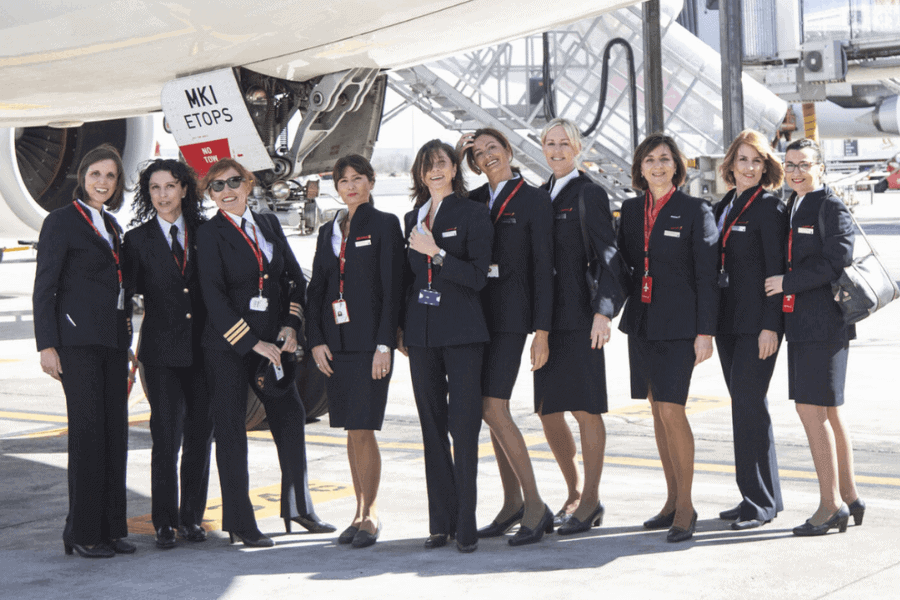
[819, 246]
[244, 259]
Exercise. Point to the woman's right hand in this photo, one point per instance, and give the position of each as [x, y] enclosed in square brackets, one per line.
[270, 351]
[50, 363]
[401, 347]
[322, 356]
[465, 142]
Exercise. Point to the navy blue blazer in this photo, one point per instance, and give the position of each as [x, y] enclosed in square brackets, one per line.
[373, 275]
[755, 250]
[76, 286]
[683, 265]
[463, 229]
[174, 313]
[572, 309]
[520, 299]
[229, 278]
[818, 259]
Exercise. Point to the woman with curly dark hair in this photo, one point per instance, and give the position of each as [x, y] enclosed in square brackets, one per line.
[444, 332]
[161, 255]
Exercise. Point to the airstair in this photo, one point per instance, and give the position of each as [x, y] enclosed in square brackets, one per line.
[502, 87]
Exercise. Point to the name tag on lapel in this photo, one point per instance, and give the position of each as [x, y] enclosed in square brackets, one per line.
[739, 228]
[508, 221]
[361, 243]
[806, 230]
[668, 233]
[449, 233]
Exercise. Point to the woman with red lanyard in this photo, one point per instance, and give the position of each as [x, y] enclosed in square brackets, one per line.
[444, 332]
[518, 300]
[353, 303]
[669, 240]
[82, 326]
[752, 225]
[819, 246]
[574, 377]
[245, 262]
[162, 266]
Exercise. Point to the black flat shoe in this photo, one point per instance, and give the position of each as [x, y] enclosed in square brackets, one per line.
[496, 529]
[732, 514]
[467, 548]
[312, 523]
[677, 534]
[348, 534]
[748, 524]
[98, 551]
[437, 540]
[526, 535]
[660, 521]
[253, 539]
[838, 519]
[165, 537]
[857, 510]
[120, 546]
[560, 517]
[364, 539]
[192, 533]
[574, 525]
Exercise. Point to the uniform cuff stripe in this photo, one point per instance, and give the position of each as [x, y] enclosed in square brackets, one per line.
[237, 332]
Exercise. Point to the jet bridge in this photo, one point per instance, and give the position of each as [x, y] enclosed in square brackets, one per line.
[504, 87]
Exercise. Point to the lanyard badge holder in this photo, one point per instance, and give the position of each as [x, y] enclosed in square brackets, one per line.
[649, 221]
[339, 306]
[723, 276]
[429, 297]
[494, 269]
[787, 305]
[120, 302]
[258, 303]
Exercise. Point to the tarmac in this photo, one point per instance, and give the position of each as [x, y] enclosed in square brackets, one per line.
[618, 559]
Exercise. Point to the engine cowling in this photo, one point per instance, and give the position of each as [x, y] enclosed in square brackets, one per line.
[38, 166]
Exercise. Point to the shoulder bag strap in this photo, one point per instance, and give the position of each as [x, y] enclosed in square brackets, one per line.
[588, 249]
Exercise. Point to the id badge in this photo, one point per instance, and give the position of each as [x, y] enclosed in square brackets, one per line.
[430, 297]
[788, 304]
[723, 279]
[494, 270]
[340, 312]
[279, 372]
[120, 303]
[646, 288]
[259, 303]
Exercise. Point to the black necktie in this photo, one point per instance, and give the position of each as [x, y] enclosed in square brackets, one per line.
[177, 250]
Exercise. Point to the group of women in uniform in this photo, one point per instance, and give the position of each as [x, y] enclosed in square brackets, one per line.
[457, 290]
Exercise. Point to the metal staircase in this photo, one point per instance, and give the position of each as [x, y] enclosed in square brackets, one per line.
[501, 86]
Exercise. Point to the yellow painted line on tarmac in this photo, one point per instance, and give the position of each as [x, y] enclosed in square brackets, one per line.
[26, 416]
[695, 404]
[10, 360]
[57, 431]
[266, 502]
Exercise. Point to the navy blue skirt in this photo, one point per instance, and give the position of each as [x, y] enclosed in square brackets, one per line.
[574, 377]
[502, 359]
[355, 400]
[663, 366]
[817, 372]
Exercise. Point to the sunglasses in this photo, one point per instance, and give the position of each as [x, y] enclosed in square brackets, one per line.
[218, 185]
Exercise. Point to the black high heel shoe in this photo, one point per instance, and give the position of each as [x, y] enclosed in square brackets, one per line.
[857, 510]
[660, 521]
[526, 535]
[574, 525]
[98, 551]
[312, 523]
[253, 539]
[677, 534]
[496, 529]
[838, 519]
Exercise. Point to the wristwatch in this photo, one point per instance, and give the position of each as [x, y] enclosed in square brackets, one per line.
[438, 259]
[382, 348]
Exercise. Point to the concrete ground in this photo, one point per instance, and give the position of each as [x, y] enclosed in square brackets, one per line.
[618, 559]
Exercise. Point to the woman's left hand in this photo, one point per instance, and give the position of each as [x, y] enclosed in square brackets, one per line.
[381, 365]
[289, 336]
[774, 285]
[768, 343]
[702, 348]
[423, 243]
[540, 349]
[599, 331]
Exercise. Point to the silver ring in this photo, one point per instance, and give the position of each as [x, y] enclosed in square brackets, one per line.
[384, 370]
[605, 337]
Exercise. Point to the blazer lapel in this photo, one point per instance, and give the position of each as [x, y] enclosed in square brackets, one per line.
[160, 250]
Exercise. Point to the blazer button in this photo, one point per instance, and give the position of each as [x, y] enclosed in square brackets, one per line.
[186, 290]
[188, 315]
[266, 276]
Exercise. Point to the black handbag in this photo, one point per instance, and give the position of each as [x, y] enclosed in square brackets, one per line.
[863, 287]
[594, 272]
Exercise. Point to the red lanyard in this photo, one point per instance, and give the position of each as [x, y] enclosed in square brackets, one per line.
[182, 264]
[428, 225]
[727, 232]
[790, 248]
[255, 248]
[342, 261]
[650, 214]
[115, 236]
[508, 198]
